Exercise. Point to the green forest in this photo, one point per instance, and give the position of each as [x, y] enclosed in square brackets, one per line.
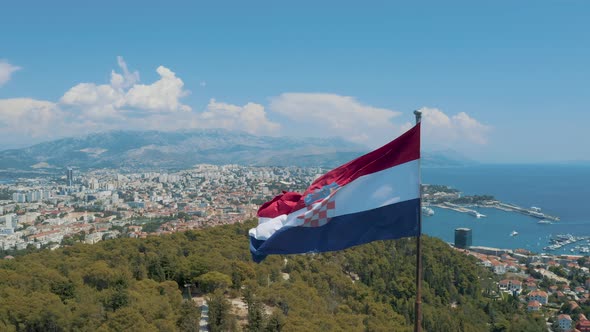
[142, 285]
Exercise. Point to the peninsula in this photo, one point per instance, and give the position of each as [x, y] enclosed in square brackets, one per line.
[445, 197]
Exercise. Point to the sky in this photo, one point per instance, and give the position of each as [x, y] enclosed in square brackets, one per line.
[501, 81]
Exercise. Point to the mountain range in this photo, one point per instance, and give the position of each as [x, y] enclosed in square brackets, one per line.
[183, 149]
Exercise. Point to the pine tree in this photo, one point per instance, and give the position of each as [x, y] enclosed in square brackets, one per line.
[189, 317]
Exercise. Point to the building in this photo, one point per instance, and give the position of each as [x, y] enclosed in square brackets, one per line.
[583, 324]
[565, 322]
[9, 220]
[70, 176]
[463, 238]
[510, 285]
[534, 306]
[539, 295]
[498, 267]
[19, 197]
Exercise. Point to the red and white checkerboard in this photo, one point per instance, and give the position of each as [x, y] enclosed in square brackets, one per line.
[319, 214]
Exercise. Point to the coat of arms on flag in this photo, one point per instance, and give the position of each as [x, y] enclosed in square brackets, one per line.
[319, 213]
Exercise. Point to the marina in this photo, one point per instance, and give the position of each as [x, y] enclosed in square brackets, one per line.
[559, 191]
[562, 240]
[496, 228]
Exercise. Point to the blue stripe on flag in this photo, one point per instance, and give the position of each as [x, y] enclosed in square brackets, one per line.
[388, 222]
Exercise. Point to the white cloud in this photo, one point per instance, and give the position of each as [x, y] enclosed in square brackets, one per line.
[443, 131]
[94, 101]
[325, 114]
[124, 95]
[29, 117]
[250, 118]
[335, 115]
[125, 80]
[160, 96]
[123, 103]
[6, 70]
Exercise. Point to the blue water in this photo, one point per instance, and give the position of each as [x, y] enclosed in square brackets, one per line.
[559, 190]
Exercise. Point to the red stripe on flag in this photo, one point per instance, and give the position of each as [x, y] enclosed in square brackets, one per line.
[403, 149]
[281, 204]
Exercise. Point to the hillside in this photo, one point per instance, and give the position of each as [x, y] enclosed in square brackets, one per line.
[180, 149]
[133, 285]
[183, 149]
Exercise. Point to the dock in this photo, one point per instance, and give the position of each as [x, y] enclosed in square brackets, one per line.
[459, 208]
[532, 212]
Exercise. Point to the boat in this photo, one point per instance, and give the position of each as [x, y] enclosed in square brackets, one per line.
[536, 214]
[476, 214]
[427, 211]
[544, 222]
[514, 233]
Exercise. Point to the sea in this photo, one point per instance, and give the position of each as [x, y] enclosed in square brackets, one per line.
[559, 190]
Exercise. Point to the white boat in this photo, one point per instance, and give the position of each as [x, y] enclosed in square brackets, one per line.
[476, 214]
[544, 222]
[427, 211]
[514, 233]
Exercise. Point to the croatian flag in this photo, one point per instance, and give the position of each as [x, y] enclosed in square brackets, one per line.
[374, 197]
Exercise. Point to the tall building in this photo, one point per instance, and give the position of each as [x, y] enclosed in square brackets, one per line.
[19, 197]
[463, 238]
[70, 176]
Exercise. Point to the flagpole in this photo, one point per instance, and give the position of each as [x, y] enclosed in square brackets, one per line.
[418, 307]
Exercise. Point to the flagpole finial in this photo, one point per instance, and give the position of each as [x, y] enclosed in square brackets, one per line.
[418, 115]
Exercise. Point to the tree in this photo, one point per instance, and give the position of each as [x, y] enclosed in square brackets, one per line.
[275, 323]
[256, 315]
[189, 317]
[220, 318]
[213, 280]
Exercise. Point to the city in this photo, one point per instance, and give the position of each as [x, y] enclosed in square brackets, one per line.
[105, 204]
[92, 206]
[294, 166]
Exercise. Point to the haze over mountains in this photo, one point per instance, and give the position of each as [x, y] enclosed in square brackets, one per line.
[183, 149]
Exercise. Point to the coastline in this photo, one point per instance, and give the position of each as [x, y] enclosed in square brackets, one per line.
[495, 229]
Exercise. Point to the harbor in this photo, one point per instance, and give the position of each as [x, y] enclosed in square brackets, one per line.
[445, 197]
[496, 229]
[534, 212]
[561, 240]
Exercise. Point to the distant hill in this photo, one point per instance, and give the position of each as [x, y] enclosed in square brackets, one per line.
[183, 149]
[445, 158]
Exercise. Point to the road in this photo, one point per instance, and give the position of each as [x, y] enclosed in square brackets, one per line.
[204, 322]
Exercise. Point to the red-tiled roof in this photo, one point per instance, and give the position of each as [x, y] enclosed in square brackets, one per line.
[534, 303]
[564, 316]
[538, 293]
